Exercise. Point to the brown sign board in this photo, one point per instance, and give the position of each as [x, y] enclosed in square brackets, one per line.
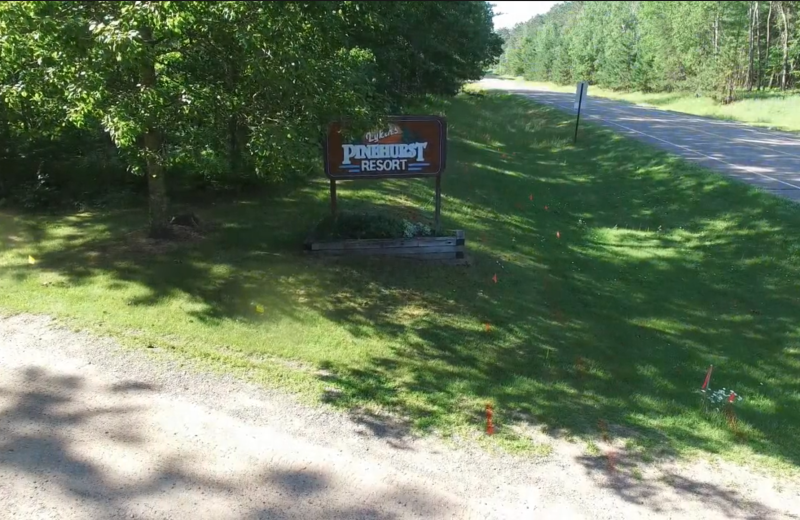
[409, 146]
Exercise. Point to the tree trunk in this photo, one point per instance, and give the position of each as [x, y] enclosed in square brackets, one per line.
[234, 144]
[785, 67]
[156, 185]
[759, 62]
[748, 82]
[767, 53]
[234, 154]
[729, 90]
[769, 23]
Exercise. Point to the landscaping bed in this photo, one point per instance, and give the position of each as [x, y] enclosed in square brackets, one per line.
[366, 234]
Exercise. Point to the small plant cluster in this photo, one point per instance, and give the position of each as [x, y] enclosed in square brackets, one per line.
[720, 396]
[416, 229]
[36, 194]
[717, 397]
[363, 225]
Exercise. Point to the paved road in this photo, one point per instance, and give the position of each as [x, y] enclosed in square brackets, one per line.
[763, 158]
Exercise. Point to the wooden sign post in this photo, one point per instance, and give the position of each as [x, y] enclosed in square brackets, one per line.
[409, 146]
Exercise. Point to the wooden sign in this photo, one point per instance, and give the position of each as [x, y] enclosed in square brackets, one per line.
[409, 146]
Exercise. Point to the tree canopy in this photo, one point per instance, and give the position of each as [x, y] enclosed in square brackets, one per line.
[711, 47]
[224, 90]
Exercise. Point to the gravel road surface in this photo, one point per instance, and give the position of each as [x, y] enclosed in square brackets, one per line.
[90, 430]
[764, 158]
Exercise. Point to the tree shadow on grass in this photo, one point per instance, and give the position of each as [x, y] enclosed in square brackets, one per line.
[660, 270]
[622, 273]
[221, 267]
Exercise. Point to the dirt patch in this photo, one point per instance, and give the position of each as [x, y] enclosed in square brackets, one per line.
[138, 242]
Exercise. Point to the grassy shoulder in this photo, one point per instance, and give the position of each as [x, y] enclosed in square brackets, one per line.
[778, 110]
[621, 274]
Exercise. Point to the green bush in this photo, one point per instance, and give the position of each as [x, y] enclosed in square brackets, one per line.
[362, 225]
[184, 97]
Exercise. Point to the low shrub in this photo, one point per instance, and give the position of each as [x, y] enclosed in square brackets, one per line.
[363, 225]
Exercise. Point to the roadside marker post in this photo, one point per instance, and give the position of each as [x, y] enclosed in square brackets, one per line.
[581, 93]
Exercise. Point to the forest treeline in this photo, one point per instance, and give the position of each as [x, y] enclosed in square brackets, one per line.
[711, 48]
[95, 95]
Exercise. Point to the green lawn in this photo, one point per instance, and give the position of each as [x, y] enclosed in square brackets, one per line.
[770, 109]
[661, 269]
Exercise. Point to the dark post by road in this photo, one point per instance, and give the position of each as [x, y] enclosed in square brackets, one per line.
[333, 197]
[578, 119]
[438, 208]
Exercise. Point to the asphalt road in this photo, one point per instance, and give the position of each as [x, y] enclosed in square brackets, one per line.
[767, 159]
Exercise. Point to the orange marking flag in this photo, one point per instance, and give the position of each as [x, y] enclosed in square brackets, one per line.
[708, 378]
[494, 278]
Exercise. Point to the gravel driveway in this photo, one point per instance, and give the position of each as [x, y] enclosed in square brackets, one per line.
[91, 430]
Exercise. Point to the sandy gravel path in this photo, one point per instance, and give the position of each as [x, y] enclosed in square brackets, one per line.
[91, 430]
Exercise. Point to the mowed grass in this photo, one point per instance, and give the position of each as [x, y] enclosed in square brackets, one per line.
[622, 274]
[773, 109]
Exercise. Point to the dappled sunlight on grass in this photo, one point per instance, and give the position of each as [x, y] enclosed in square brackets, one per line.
[622, 273]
